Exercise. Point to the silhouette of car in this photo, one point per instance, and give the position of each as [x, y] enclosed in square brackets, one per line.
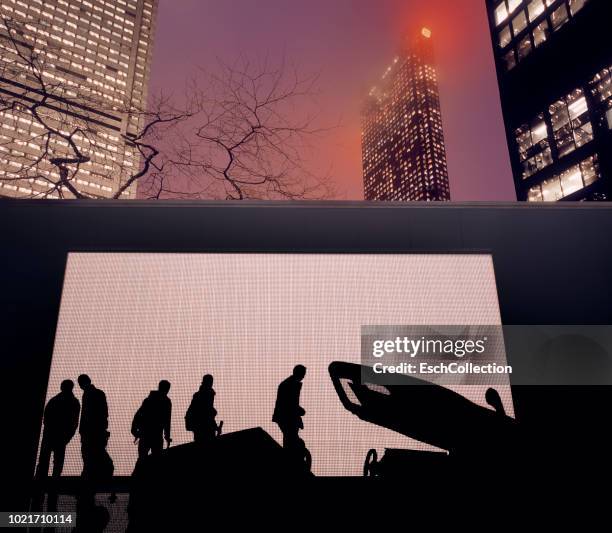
[465, 431]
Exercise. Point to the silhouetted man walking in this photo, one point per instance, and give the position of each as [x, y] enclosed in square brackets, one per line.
[60, 419]
[287, 411]
[151, 423]
[200, 417]
[94, 431]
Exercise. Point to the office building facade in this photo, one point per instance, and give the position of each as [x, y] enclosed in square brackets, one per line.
[93, 59]
[554, 66]
[403, 152]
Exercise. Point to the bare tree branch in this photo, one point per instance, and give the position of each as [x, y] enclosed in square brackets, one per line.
[249, 136]
[242, 132]
[64, 139]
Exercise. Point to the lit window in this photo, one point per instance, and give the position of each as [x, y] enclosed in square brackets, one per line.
[539, 131]
[576, 5]
[571, 122]
[533, 146]
[505, 37]
[559, 17]
[513, 4]
[577, 108]
[519, 23]
[501, 13]
[573, 179]
[601, 88]
[540, 33]
[551, 190]
[590, 170]
[536, 8]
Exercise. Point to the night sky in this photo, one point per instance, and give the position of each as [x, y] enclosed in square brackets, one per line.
[350, 43]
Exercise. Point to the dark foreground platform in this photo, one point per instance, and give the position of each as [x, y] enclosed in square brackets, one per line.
[552, 263]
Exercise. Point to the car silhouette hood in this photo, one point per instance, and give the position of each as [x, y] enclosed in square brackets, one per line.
[421, 410]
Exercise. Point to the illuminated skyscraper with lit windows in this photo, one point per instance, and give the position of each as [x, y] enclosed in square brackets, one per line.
[96, 53]
[554, 67]
[403, 153]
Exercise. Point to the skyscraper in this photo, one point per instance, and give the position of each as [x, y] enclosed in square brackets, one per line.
[554, 66]
[402, 142]
[87, 62]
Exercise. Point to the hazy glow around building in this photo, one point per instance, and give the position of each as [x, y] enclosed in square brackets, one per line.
[403, 152]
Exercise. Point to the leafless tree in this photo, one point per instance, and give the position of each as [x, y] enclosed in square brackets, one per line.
[255, 124]
[56, 138]
[240, 131]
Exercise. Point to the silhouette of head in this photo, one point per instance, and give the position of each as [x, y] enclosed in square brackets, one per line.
[67, 386]
[299, 371]
[84, 381]
[494, 399]
[164, 386]
[207, 381]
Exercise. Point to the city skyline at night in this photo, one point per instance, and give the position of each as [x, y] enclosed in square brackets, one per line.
[321, 41]
[282, 257]
[403, 153]
[347, 44]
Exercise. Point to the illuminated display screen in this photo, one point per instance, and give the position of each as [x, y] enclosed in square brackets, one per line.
[129, 320]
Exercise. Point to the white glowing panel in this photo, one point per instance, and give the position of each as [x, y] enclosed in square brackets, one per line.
[129, 320]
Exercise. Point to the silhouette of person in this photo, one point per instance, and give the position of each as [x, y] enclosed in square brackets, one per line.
[200, 416]
[93, 429]
[300, 455]
[287, 411]
[494, 400]
[151, 424]
[60, 419]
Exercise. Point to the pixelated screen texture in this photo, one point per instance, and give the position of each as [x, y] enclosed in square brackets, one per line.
[129, 320]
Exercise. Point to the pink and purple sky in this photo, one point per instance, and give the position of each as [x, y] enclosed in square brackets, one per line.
[350, 43]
